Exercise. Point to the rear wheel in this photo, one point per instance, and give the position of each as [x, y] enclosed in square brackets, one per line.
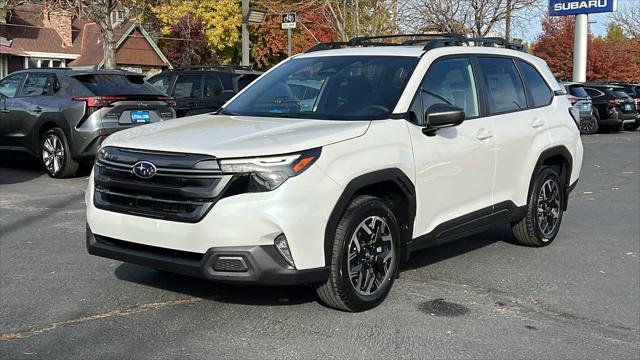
[365, 256]
[632, 127]
[590, 125]
[55, 154]
[544, 211]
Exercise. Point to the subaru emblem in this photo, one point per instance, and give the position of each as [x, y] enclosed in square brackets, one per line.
[144, 169]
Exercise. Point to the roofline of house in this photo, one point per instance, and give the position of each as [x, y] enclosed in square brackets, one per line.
[149, 39]
[39, 54]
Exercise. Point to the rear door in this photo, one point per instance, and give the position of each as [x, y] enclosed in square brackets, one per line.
[9, 125]
[187, 91]
[519, 119]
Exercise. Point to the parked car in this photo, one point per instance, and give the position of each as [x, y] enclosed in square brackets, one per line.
[63, 115]
[200, 90]
[613, 106]
[581, 101]
[405, 147]
[633, 90]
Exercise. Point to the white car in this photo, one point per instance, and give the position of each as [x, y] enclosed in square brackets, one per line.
[397, 148]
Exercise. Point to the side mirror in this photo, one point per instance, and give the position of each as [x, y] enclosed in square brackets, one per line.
[441, 116]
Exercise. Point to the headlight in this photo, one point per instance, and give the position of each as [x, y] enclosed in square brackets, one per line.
[267, 173]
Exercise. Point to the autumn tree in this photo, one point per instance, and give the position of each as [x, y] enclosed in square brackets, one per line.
[609, 58]
[98, 11]
[220, 21]
[352, 18]
[186, 44]
[628, 18]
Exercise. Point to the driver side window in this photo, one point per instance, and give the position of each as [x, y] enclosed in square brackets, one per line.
[451, 82]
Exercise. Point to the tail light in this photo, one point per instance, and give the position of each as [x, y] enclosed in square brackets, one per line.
[100, 101]
[573, 100]
[169, 100]
[575, 114]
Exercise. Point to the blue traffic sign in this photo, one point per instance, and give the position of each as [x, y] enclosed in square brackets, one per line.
[574, 7]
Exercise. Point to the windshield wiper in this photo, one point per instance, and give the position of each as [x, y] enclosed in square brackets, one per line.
[223, 111]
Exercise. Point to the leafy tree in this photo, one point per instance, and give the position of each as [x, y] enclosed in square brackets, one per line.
[193, 49]
[220, 20]
[609, 58]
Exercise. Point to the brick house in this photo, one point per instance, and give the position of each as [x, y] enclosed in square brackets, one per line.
[31, 37]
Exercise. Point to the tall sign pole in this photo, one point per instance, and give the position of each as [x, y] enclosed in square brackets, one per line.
[245, 33]
[288, 22]
[581, 9]
[580, 48]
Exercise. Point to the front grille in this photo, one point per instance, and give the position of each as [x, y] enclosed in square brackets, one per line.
[177, 192]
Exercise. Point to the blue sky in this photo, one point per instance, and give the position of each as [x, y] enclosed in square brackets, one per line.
[598, 23]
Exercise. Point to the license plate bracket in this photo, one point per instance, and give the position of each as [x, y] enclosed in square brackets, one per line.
[140, 117]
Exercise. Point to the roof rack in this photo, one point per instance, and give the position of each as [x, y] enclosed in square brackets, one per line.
[432, 41]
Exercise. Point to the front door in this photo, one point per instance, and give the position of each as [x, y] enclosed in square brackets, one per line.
[454, 168]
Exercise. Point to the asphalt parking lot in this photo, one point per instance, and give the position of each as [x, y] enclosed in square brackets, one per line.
[479, 297]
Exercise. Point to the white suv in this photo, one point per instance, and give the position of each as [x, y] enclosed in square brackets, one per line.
[338, 163]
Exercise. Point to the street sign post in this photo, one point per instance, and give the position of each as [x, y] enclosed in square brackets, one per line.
[288, 22]
[581, 9]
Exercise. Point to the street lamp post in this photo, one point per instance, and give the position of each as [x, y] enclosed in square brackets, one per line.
[249, 16]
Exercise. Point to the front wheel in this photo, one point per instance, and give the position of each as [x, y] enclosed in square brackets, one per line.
[365, 256]
[544, 211]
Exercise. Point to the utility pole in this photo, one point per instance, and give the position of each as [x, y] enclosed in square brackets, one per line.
[507, 22]
[580, 48]
[245, 32]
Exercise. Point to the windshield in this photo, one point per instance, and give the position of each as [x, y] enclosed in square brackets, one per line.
[328, 88]
[620, 93]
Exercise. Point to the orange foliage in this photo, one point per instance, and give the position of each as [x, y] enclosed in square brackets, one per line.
[607, 59]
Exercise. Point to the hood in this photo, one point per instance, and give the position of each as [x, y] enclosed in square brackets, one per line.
[236, 136]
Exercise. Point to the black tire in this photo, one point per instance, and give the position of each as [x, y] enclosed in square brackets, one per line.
[531, 230]
[591, 125]
[339, 291]
[55, 155]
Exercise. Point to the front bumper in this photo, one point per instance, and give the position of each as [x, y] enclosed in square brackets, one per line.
[257, 265]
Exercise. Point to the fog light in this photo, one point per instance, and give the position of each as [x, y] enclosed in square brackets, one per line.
[283, 248]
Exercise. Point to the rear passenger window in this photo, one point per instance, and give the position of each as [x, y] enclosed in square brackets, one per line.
[162, 83]
[505, 91]
[212, 86]
[188, 86]
[593, 92]
[451, 82]
[540, 92]
[38, 85]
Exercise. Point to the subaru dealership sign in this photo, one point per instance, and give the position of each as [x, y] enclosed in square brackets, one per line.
[574, 7]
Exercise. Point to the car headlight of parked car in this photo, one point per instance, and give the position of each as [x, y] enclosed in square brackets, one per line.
[269, 172]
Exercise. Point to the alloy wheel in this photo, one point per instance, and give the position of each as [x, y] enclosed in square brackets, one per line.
[587, 126]
[53, 154]
[371, 253]
[548, 214]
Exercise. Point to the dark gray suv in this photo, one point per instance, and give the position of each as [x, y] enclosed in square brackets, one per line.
[62, 115]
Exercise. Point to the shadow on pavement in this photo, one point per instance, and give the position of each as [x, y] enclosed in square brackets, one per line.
[210, 290]
[19, 168]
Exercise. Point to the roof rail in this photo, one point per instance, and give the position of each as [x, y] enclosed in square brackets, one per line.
[221, 67]
[433, 41]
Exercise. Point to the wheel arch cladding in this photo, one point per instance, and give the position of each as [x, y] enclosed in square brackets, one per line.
[560, 158]
[390, 185]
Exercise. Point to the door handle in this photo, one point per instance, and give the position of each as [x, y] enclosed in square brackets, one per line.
[484, 134]
[37, 109]
[537, 123]
[192, 104]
